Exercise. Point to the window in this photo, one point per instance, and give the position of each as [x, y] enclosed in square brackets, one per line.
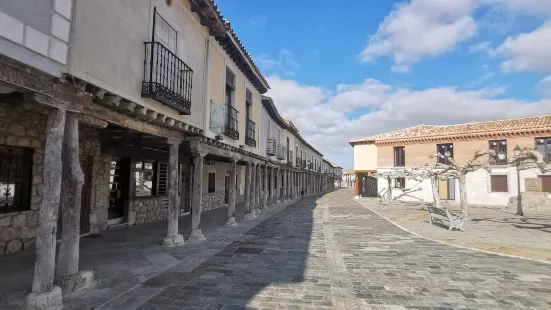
[230, 87]
[400, 183]
[543, 145]
[545, 183]
[15, 178]
[249, 103]
[500, 147]
[498, 183]
[143, 178]
[442, 149]
[399, 156]
[164, 33]
[212, 182]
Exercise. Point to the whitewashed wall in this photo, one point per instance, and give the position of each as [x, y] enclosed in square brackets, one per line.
[478, 187]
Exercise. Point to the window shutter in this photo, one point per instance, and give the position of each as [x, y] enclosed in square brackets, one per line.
[162, 179]
[499, 183]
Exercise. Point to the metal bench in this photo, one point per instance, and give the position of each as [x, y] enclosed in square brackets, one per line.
[441, 215]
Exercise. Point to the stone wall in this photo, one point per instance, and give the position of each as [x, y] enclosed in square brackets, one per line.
[213, 200]
[24, 128]
[145, 210]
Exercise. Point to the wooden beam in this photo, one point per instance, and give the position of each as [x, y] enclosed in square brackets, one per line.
[83, 104]
[90, 121]
[110, 100]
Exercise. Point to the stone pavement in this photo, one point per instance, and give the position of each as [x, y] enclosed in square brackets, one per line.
[333, 253]
[495, 229]
[123, 258]
[329, 252]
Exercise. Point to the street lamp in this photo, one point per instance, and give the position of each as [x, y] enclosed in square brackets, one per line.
[516, 152]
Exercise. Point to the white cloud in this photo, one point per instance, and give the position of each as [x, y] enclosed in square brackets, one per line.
[483, 46]
[421, 28]
[529, 52]
[322, 115]
[284, 63]
[544, 86]
[531, 7]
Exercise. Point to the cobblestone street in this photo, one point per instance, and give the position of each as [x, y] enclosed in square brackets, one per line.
[333, 253]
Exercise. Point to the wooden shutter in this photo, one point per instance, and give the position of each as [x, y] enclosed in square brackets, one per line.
[545, 183]
[499, 183]
[162, 180]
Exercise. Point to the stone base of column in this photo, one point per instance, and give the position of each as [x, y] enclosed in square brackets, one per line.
[258, 211]
[196, 234]
[75, 282]
[251, 215]
[172, 241]
[265, 206]
[231, 221]
[51, 300]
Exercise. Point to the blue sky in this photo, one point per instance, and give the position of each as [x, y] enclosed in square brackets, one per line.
[343, 70]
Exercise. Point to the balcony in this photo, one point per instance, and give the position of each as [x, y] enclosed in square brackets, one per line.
[271, 147]
[290, 158]
[250, 133]
[231, 128]
[281, 150]
[167, 79]
[299, 162]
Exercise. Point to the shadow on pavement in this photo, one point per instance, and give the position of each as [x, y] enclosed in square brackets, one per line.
[274, 254]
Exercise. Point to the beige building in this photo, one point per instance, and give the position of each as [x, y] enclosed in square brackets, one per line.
[411, 147]
[153, 110]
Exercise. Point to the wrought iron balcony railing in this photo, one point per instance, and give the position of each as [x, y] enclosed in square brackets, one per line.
[281, 150]
[250, 133]
[167, 78]
[271, 147]
[231, 128]
[290, 158]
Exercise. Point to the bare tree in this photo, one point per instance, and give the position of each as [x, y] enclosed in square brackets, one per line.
[528, 159]
[451, 169]
[417, 175]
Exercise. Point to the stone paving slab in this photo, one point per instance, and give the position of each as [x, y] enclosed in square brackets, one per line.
[494, 229]
[123, 259]
[333, 253]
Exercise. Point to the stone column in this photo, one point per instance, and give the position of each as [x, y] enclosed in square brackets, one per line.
[67, 275]
[265, 196]
[285, 184]
[257, 189]
[173, 238]
[253, 188]
[276, 197]
[249, 212]
[197, 197]
[272, 185]
[45, 295]
[232, 195]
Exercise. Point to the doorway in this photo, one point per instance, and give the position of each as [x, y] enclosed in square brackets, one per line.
[446, 189]
[84, 200]
[119, 175]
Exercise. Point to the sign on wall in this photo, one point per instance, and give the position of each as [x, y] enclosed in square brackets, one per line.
[533, 184]
[216, 117]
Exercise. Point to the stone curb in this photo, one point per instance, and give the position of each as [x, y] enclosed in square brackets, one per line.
[451, 244]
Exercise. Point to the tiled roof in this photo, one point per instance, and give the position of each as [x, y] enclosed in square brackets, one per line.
[525, 124]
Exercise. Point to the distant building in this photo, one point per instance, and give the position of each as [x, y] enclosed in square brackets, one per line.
[411, 147]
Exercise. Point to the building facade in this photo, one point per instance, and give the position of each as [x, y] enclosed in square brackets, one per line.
[411, 147]
[149, 113]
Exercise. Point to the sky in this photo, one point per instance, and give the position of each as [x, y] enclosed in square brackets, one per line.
[342, 70]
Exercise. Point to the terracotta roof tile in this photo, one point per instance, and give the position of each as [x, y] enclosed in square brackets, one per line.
[443, 131]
